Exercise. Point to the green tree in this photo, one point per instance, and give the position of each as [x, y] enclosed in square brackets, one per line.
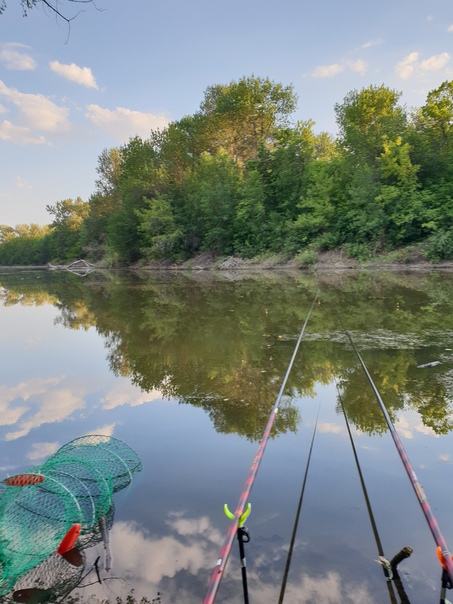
[68, 216]
[242, 115]
[371, 123]
[103, 202]
[405, 206]
[250, 216]
[140, 180]
[25, 244]
[367, 119]
[432, 136]
[213, 197]
[315, 208]
[160, 236]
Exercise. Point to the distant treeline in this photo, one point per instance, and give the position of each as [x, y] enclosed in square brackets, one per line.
[239, 178]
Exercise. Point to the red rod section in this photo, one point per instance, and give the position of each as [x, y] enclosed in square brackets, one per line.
[217, 575]
[446, 561]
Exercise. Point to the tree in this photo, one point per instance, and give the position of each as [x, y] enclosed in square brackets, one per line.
[160, 234]
[24, 244]
[103, 202]
[7, 233]
[368, 118]
[405, 206]
[432, 135]
[315, 208]
[140, 181]
[68, 218]
[242, 115]
[250, 216]
[213, 198]
[52, 5]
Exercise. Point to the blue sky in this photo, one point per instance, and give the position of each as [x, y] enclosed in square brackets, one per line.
[130, 66]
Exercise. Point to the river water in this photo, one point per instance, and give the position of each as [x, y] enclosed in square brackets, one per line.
[185, 368]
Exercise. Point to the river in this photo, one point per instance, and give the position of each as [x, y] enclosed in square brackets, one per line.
[185, 368]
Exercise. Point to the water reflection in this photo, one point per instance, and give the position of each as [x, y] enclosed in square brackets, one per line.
[172, 565]
[224, 346]
[188, 353]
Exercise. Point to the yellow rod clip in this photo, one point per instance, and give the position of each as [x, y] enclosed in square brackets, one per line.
[242, 518]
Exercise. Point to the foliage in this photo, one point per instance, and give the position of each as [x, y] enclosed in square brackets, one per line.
[25, 244]
[55, 6]
[440, 246]
[238, 177]
[68, 218]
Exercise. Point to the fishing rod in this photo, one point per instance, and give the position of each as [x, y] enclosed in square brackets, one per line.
[442, 549]
[296, 521]
[239, 513]
[388, 566]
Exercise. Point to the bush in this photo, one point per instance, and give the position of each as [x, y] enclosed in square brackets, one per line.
[307, 257]
[440, 246]
[359, 251]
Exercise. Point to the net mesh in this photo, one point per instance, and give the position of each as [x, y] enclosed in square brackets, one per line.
[74, 486]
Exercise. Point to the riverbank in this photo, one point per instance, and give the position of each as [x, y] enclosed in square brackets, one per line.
[401, 260]
[324, 261]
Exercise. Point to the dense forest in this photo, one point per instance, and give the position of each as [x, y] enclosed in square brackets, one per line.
[239, 177]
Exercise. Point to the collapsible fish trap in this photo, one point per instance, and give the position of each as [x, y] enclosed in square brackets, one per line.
[60, 503]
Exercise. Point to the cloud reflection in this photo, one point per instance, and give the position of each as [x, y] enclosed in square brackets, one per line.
[126, 393]
[52, 405]
[411, 422]
[178, 565]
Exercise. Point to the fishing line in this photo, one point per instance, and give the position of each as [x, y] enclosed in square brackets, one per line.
[443, 552]
[219, 569]
[367, 501]
[296, 521]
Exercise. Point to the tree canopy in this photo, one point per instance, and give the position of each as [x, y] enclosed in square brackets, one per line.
[241, 177]
[57, 7]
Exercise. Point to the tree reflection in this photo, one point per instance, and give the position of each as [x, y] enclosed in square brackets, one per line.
[224, 345]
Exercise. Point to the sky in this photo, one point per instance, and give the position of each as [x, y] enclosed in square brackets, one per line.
[126, 67]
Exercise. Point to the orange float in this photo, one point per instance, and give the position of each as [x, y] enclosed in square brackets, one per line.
[23, 480]
[69, 540]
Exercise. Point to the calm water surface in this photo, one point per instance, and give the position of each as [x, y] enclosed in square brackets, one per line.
[186, 369]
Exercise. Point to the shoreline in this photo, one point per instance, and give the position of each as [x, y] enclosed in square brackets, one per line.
[207, 261]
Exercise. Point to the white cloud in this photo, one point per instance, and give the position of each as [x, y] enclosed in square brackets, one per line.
[22, 184]
[450, 28]
[36, 112]
[74, 73]
[14, 59]
[409, 64]
[326, 71]
[122, 123]
[358, 66]
[43, 403]
[26, 390]
[444, 457]
[125, 393]
[435, 62]
[19, 135]
[187, 546]
[409, 423]
[329, 428]
[106, 430]
[406, 67]
[371, 43]
[42, 450]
